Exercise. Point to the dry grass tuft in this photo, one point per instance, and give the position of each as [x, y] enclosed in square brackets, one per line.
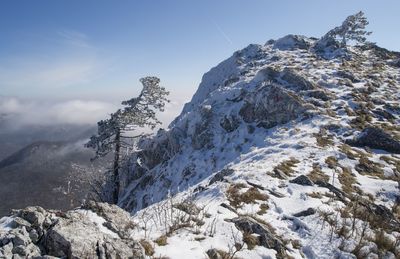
[161, 241]
[263, 209]
[285, 168]
[331, 161]
[148, 248]
[368, 167]
[323, 140]
[237, 199]
[317, 175]
[250, 240]
[347, 179]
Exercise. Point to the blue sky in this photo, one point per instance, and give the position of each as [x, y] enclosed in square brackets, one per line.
[97, 50]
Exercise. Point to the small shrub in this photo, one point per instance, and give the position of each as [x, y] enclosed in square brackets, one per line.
[331, 161]
[263, 209]
[236, 198]
[368, 167]
[384, 242]
[250, 240]
[315, 195]
[161, 241]
[323, 140]
[317, 175]
[285, 168]
[347, 179]
[296, 244]
[348, 151]
[148, 248]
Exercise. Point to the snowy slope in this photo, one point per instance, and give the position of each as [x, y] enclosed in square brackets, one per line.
[263, 117]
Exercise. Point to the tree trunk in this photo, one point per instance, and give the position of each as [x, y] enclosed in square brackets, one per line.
[116, 166]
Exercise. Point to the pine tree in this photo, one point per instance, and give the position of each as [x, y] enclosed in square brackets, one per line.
[352, 29]
[138, 112]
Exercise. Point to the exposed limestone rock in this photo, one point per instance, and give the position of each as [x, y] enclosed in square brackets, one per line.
[296, 80]
[271, 105]
[97, 230]
[305, 213]
[266, 237]
[220, 176]
[302, 180]
[376, 138]
[291, 42]
[229, 123]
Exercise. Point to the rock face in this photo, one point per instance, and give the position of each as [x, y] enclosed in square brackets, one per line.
[376, 138]
[97, 230]
[271, 105]
[290, 42]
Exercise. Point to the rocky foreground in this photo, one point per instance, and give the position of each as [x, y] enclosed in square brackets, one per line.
[97, 230]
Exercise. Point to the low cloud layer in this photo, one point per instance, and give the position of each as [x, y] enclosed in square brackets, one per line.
[24, 112]
[17, 112]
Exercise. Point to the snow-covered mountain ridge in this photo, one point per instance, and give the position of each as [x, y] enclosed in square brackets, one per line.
[287, 150]
[307, 128]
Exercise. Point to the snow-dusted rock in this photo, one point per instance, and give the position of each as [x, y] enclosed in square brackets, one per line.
[97, 230]
[290, 42]
[376, 138]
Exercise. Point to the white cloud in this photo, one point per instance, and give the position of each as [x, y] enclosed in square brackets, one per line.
[10, 105]
[25, 112]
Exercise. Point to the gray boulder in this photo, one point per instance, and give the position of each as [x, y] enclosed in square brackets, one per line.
[305, 213]
[302, 180]
[220, 176]
[376, 138]
[266, 236]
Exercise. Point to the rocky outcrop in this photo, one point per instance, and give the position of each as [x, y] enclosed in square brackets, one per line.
[97, 230]
[266, 236]
[202, 137]
[296, 80]
[292, 42]
[271, 105]
[376, 138]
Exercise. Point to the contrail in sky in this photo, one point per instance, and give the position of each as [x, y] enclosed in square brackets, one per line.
[223, 33]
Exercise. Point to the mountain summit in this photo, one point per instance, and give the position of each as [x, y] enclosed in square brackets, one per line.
[287, 150]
